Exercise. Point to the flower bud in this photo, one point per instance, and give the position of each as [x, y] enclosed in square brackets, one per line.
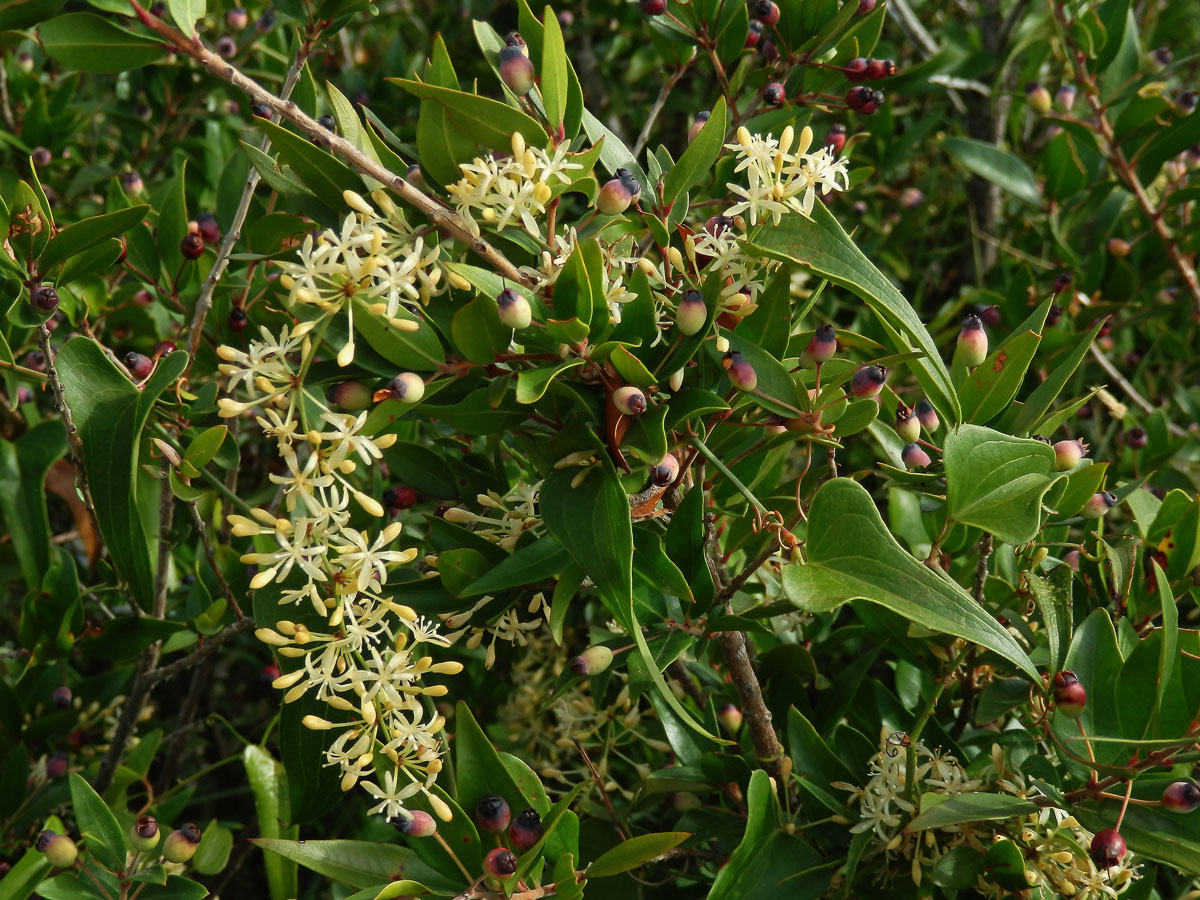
[143, 834]
[927, 416]
[502, 862]
[691, 313]
[1070, 698]
[59, 849]
[629, 400]
[908, 426]
[513, 309]
[914, 457]
[516, 71]
[868, 381]
[1181, 796]
[492, 813]
[416, 824]
[1099, 504]
[741, 374]
[526, 830]
[1107, 849]
[665, 472]
[181, 844]
[592, 661]
[731, 717]
[1067, 455]
[407, 387]
[701, 120]
[972, 346]
[1038, 98]
[675, 382]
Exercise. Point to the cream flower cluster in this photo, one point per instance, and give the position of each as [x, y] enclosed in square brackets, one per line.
[1052, 843]
[510, 190]
[780, 178]
[369, 661]
[377, 260]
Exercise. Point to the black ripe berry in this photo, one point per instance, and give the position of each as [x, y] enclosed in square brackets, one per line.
[45, 297]
[773, 93]
[192, 246]
[754, 34]
[492, 813]
[237, 319]
[327, 123]
[258, 109]
[526, 830]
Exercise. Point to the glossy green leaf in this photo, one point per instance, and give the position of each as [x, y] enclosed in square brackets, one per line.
[186, 14]
[990, 388]
[97, 824]
[325, 175]
[481, 119]
[972, 807]
[613, 153]
[19, 14]
[23, 467]
[76, 238]
[1053, 596]
[634, 852]
[216, 843]
[440, 146]
[268, 784]
[172, 223]
[360, 864]
[852, 555]
[478, 333]
[554, 70]
[109, 414]
[697, 160]
[420, 349]
[997, 482]
[997, 165]
[821, 246]
[86, 42]
[531, 564]
[533, 383]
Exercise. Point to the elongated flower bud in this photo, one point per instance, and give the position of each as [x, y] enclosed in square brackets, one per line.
[691, 313]
[513, 309]
[972, 346]
[592, 661]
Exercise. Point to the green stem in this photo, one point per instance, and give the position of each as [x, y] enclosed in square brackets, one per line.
[910, 762]
[733, 479]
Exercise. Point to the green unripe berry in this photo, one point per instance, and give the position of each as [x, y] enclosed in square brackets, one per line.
[181, 844]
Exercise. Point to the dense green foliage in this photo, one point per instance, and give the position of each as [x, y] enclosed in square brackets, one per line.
[756, 443]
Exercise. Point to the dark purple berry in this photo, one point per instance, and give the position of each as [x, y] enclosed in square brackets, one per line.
[754, 34]
[1136, 438]
[856, 69]
[773, 93]
[501, 862]
[492, 813]
[56, 766]
[400, 497]
[207, 228]
[237, 320]
[1187, 102]
[139, 366]
[192, 246]
[327, 123]
[880, 68]
[62, 697]
[226, 47]
[41, 156]
[526, 830]
[45, 297]
[1108, 848]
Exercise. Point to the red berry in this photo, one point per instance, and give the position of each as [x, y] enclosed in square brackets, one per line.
[56, 766]
[237, 319]
[400, 497]
[139, 366]
[45, 297]
[880, 68]
[417, 824]
[754, 35]
[208, 228]
[773, 93]
[856, 69]
[836, 137]
[62, 697]
[192, 246]
[526, 830]
[765, 11]
[1136, 438]
[654, 7]
[914, 457]
[868, 381]
[500, 863]
[1108, 848]
[1070, 698]
[1181, 796]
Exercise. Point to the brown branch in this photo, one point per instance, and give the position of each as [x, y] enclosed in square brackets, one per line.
[981, 567]
[210, 645]
[210, 553]
[1130, 391]
[616, 822]
[438, 215]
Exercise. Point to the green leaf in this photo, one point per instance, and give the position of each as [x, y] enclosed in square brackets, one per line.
[172, 222]
[1044, 395]
[79, 237]
[23, 467]
[821, 246]
[480, 770]
[532, 383]
[483, 120]
[997, 482]
[30, 869]
[974, 807]
[852, 555]
[1053, 596]
[632, 853]
[212, 854]
[533, 563]
[997, 165]
[613, 153]
[109, 414]
[420, 349]
[268, 784]
[325, 175]
[697, 160]
[86, 42]
[990, 388]
[478, 333]
[439, 145]
[97, 824]
[554, 70]
[186, 14]
[16, 15]
[360, 864]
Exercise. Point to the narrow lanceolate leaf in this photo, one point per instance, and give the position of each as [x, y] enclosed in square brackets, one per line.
[997, 165]
[483, 120]
[85, 42]
[79, 237]
[697, 160]
[852, 555]
[97, 824]
[554, 70]
[632, 853]
[975, 807]
[821, 246]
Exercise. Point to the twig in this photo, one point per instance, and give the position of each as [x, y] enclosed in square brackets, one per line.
[657, 108]
[603, 793]
[749, 569]
[210, 553]
[439, 216]
[182, 665]
[679, 672]
[205, 300]
[1130, 391]
[981, 567]
[166, 515]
